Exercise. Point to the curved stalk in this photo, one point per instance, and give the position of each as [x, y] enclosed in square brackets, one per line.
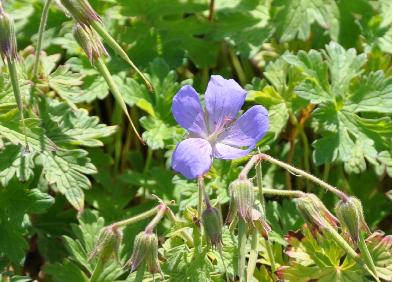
[103, 70]
[41, 30]
[117, 48]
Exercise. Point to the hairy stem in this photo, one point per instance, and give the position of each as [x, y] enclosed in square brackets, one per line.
[284, 193]
[137, 218]
[252, 258]
[97, 270]
[103, 70]
[201, 190]
[18, 97]
[367, 256]
[41, 30]
[160, 214]
[298, 172]
[258, 169]
[242, 244]
[119, 50]
[270, 256]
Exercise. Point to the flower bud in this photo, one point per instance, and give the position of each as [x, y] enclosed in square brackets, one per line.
[243, 196]
[311, 211]
[350, 214]
[260, 224]
[81, 11]
[108, 243]
[145, 251]
[89, 41]
[7, 37]
[212, 224]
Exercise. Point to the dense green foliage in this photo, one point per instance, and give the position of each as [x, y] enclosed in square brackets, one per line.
[322, 68]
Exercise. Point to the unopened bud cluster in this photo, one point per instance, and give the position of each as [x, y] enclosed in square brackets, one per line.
[243, 198]
[89, 41]
[81, 11]
[145, 252]
[7, 37]
[314, 212]
[108, 243]
[350, 213]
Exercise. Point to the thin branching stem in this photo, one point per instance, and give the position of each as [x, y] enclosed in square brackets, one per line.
[160, 214]
[283, 193]
[41, 30]
[298, 172]
[137, 218]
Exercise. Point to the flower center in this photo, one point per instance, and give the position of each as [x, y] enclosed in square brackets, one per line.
[220, 128]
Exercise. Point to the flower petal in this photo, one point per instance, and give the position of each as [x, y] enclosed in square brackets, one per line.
[226, 152]
[187, 111]
[223, 99]
[192, 157]
[248, 129]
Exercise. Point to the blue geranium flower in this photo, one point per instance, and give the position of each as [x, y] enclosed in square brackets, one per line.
[215, 133]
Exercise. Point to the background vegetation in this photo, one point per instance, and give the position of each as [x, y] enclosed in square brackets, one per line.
[322, 68]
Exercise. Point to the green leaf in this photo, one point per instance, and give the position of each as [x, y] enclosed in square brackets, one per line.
[66, 126]
[344, 95]
[80, 248]
[65, 172]
[295, 18]
[317, 256]
[66, 271]
[157, 132]
[15, 203]
[15, 161]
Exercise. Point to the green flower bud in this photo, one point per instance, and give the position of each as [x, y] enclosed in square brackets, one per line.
[108, 243]
[243, 197]
[313, 211]
[88, 39]
[350, 214]
[212, 224]
[145, 251]
[7, 37]
[324, 211]
[81, 11]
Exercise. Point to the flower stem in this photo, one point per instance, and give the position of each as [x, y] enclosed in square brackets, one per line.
[103, 70]
[97, 271]
[258, 169]
[160, 214]
[18, 97]
[306, 175]
[119, 50]
[348, 249]
[242, 244]
[41, 30]
[270, 255]
[201, 189]
[284, 193]
[137, 218]
[268, 245]
[252, 258]
[298, 172]
[367, 256]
